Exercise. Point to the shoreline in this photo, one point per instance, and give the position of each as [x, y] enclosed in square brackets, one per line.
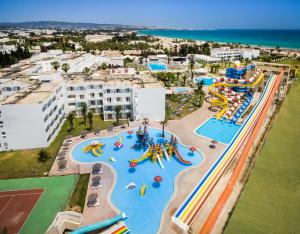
[140, 33]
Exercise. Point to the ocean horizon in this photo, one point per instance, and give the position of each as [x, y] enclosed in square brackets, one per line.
[269, 38]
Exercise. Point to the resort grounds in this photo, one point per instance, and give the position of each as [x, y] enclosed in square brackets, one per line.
[270, 200]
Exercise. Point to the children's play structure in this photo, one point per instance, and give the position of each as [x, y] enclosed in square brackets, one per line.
[156, 152]
[94, 147]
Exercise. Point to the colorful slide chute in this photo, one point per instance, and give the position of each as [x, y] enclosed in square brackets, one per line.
[95, 147]
[222, 100]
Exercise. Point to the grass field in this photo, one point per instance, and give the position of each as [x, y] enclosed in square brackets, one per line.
[78, 197]
[270, 202]
[25, 163]
[57, 191]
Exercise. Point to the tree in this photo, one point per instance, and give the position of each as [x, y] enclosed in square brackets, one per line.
[43, 155]
[184, 80]
[65, 67]
[118, 110]
[90, 118]
[163, 124]
[192, 65]
[126, 61]
[103, 66]
[55, 65]
[200, 85]
[86, 71]
[70, 118]
[247, 61]
[84, 109]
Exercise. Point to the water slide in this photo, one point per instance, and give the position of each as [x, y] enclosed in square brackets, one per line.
[218, 207]
[159, 161]
[99, 225]
[166, 154]
[94, 150]
[243, 108]
[180, 158]
[145, 155]
[222, 101]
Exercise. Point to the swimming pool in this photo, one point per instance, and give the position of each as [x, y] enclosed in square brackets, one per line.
[144, 213]
[207, 80]
[157, 67]
[182, 90]
[218, 130]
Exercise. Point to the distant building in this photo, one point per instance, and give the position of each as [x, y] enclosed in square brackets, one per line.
[98, 37]
[233, 54]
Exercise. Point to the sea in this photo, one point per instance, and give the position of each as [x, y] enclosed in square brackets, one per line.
[267, 38]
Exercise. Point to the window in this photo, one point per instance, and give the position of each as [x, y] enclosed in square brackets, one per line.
[119, 99]
[100, 94]
[3, 133]
[70, 88]
[108, 91]
[81, 88]
[93, 102]
[117, 90]
[108, 100]
[71, 96]
[81, 96]
[109, 116]
[92, 95]
[72, 104]
[127, 99]
[127, 90]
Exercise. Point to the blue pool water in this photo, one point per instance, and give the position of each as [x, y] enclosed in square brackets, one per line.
[144, 213]
[157, 67]
[218, 130]
[207, 80]
[181, 90]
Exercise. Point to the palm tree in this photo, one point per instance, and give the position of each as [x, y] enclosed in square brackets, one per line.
[55, 65]
[184, 79]
[90, 118]
[192, 65]
[43, 155]
[86, 71]
[84, 109]
[200, 85]
[70, 118]
[65, 67]
[247, 61]
[163, 124]
[118, 110]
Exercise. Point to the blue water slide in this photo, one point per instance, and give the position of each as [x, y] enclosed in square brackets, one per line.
[242, 109]
[99, 225]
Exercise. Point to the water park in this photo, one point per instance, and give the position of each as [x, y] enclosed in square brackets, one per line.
[148, 179]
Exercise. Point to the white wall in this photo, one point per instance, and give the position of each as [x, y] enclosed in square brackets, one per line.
[24, 126]
[150, 103]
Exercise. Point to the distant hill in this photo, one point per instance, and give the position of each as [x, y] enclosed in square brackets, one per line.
[67, 25]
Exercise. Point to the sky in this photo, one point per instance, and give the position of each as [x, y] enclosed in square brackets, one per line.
[196, 14]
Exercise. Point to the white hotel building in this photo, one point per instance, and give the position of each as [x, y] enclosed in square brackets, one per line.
[233, 54]
[33, 117]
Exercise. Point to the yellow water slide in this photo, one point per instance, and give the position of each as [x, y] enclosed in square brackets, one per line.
[145, 156]
[222, 101]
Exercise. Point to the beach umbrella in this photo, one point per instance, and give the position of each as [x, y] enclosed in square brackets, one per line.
[158, 179]
[132, 164]
[192, 148]
[214, 142]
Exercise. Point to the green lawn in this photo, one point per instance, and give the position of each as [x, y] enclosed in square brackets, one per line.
[24, 163]
[57, 191]
[78, 197]
[270, 202]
